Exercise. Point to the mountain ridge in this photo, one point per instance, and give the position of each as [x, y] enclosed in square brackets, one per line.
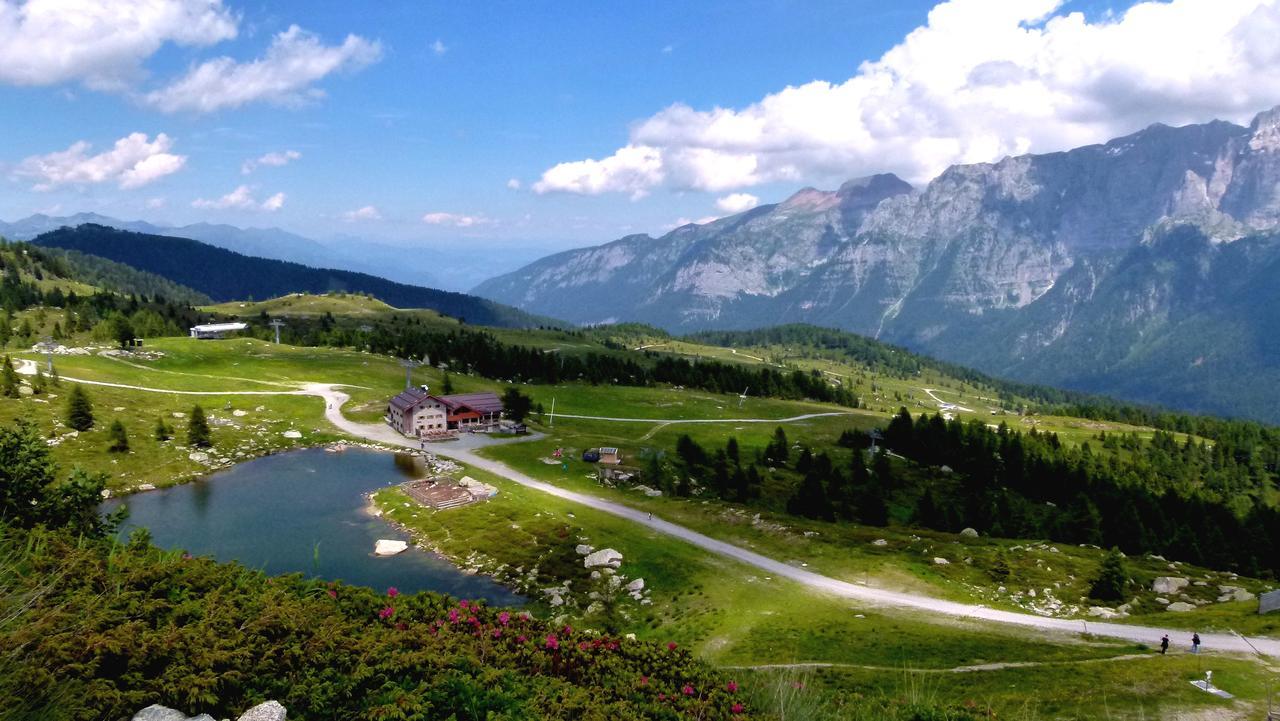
[994, 265]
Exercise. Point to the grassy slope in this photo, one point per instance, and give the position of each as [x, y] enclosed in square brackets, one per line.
[731, 615]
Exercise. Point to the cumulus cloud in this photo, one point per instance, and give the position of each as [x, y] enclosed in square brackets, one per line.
[134, 161]
[454, 219]
[439, 48]
[513, 184]
[242, 198]
[286, 75]
[272, 159]
[367, 212]
[737, 202]
[981, 79]
[100, 44]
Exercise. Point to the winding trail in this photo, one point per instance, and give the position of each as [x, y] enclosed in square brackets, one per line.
[381, 433]
[792, 419]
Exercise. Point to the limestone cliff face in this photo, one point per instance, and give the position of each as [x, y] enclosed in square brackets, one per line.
[994, 264]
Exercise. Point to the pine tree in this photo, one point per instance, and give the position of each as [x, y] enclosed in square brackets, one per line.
[117, 438]
[9, 380]
[198, 430]
[40, 383]
[79, 409]
[1112, 580]
[162, 431]
[778, 450]
[810, 499]
[446, 385]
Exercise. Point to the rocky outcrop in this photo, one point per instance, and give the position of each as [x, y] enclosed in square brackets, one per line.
[604, 558]
[269, 711]
[1166, 585]
[1269, 602]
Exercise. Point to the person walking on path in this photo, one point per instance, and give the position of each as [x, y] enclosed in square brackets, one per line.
[1195, 643]
[1164, 644]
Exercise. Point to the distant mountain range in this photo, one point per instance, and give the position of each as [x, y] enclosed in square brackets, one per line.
[449, 265]
[225, 275]
[1146, 267]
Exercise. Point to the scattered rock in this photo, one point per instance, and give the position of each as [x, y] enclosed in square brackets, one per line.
[583, 549]
[1169, 584]
[1105, 613]
[1270, 601]
[941, 562]
[1234, 593]
[969, 533]
[179, 414]
[636, 585]
[156, 712]
[292, 434]
[1162, 601]
[198, 456]
[1180, 607]
[269, 711]
[239, 413]
[607, 557]
[879, 542]
[385, 547]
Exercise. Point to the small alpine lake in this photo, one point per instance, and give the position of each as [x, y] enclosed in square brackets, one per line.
[302, 512]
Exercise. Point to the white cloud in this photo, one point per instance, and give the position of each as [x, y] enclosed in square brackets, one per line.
[513, 183]
[632, 169]
[980, 80]
[439, 48]
[134, 161]
[667, 49]
[682, 221]
[272, 159]
[156, 203]
[457, 221]
[368, 212]
[100, 44]
[286, 75]
[241, 199]
[737, 202]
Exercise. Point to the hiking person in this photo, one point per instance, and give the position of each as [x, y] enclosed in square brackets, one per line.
[1195, 643]
[1164, 644]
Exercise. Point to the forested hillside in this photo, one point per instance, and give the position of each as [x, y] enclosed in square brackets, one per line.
[224, 275]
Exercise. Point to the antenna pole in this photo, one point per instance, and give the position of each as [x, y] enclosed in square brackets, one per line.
[277, 324]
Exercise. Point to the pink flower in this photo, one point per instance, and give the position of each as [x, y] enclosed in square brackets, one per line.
[671, 646]
[503, 618]
[333, 593]
[521, 638]
[687, 690]
[582, 645]
[662, 697]
[644, 680]
[464, 604]
[453, 615]
[731, 687]
[497, 633]
[387, 612]
[393, 592]
[568, 630]
[737, 708]
[553, 643]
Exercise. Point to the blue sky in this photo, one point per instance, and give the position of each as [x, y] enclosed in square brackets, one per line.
[430, 122]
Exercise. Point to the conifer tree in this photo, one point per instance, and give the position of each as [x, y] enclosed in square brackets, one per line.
[9, 379]
[198, 430]
[1112, 580]
[79, 409]
[117, 437]
[446, 385]
[162, 431]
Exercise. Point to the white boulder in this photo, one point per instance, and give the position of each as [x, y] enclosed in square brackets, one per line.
[969, 533]
[941, 562]
[606, 557]
[269, 711]
[636, 585]
[1165, 585]
[386, 547]
[1180, 607]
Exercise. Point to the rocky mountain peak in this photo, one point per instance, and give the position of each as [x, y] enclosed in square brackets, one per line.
[811, 199]
[1265, 131]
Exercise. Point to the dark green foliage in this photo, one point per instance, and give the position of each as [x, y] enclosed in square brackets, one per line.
[1112, 580]
[113, 276]
[446, 385]
[1205, 505]
[101, 631]
[779, 449]
[31, 495]
[8, 379]
[162, 431]
[116, 328]
[198, 435]
[516, 405]
[79, 409]
[225, 275]
[117, 437]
